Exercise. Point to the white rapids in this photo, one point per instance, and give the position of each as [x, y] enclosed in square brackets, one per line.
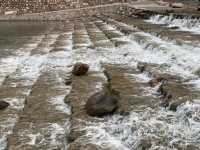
[162, 128]
[186, 24]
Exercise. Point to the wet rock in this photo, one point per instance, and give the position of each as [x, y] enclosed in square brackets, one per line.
[80, 69]
[154, 82]
[108, 76]
[166, 100]
[124, 113]
[126, 31]
[102, 103]
[126, 54]
[141, 67]
[174, 28]
[68, 81]
[177, 5]
[3, 105]
[197, 72]
[174, 105]
[161, 90]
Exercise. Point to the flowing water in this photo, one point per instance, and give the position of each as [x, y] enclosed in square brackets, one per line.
[184, 24]
[37, 58]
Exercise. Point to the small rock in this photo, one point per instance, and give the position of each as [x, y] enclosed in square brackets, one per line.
[124, 113]
[68, 82]
[108, 76]
[126, 31]
[197, 72]
[3, 105]
[102, 103]
[126, 54]
[166, 100]
[154, 82]
[80, 69]
[174, 105]
[174, 27]
[141, 67]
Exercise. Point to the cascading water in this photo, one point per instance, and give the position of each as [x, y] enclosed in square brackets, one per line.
[183, 24]
[145, 127]
[153, 129]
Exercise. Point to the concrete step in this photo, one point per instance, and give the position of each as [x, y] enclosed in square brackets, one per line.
[113, 34]
[97, 37]
[82, 89]
[43, 122]
[80, 36]
[16, 87]
[41, 125]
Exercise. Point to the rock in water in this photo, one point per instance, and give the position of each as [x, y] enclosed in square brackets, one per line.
[80, 69]
[174, 105]
[102, 103]
[3, 105]
[154, 82]
[141, 67]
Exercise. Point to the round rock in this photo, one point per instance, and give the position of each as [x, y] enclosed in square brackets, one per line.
[101, 103]
[80, 69]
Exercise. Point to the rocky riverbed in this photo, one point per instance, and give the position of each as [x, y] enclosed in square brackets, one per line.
[151, 60]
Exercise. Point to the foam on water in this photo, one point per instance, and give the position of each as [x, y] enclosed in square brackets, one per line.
[182, 60]
[18, 103]
[6, 127]
[53, 135]
[179, 60]
[185, 24]
[25, 73]
[9, 65]
[59, 64]
[161, 128]
[60, 105]
[117, 132]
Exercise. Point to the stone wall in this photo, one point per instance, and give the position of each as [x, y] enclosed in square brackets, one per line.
[35, 6]
[63, 15]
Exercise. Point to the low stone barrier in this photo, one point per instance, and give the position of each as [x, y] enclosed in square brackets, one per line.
[63, 14]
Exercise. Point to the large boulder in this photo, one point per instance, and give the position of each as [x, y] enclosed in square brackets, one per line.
[102, 103]
[80, 69]
[3, 105]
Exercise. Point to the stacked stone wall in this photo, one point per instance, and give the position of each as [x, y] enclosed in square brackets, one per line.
[35, 6]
